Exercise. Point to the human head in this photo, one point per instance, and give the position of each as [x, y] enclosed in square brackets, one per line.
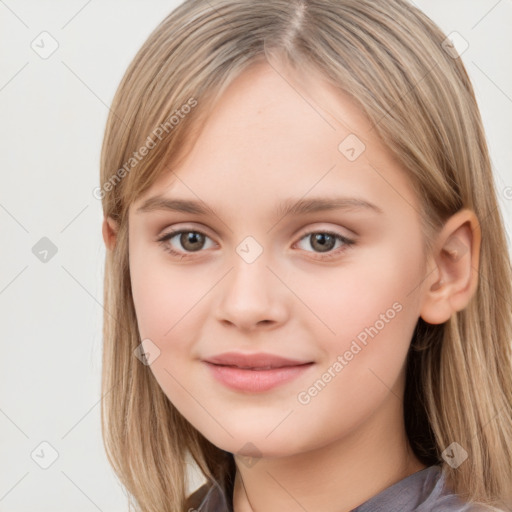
[389, 83]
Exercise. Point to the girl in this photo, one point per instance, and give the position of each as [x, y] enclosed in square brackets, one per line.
[307, 286]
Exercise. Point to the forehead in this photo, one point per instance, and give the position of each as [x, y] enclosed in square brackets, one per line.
[272, 136]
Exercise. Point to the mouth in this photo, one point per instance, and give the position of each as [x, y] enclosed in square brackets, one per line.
[260, 368]
[257, 378]
[257, 361]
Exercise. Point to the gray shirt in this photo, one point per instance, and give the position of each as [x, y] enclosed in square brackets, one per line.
[423, 491]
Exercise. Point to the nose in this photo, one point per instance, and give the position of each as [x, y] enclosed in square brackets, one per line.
[252, 297]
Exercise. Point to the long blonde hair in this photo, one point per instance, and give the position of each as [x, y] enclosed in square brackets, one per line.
[388, 56]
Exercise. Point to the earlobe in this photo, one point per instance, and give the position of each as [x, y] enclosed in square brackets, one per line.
[109, 231]
[451, 285]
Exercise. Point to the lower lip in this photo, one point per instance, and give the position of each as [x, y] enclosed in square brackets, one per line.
[256, 380]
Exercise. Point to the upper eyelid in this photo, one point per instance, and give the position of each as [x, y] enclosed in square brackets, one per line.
[206, 230]
[176, 231]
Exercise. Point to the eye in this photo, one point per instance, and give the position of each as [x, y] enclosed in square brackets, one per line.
[325, 241]
[322, 242]
[190, 241]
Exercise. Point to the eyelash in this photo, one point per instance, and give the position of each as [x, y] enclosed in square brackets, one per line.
[323, 256]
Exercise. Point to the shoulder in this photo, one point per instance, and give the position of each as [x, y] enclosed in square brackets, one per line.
[442, 499]
[194, 501]
[210, 497]
[423, 491]
[452, 503]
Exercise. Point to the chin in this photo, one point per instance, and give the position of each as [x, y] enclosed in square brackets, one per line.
[254, 443]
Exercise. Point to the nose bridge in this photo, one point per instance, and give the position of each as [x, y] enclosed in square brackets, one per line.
[251, 293]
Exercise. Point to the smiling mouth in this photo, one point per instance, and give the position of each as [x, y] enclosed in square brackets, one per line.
[256, 379]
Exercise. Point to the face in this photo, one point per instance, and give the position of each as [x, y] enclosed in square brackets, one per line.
[334, 291]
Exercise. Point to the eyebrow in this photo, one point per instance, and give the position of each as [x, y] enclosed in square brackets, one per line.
[288, 207]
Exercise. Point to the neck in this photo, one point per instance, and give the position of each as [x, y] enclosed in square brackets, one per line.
[334, 477]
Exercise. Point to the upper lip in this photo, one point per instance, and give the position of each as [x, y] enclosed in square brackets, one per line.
[259, 360]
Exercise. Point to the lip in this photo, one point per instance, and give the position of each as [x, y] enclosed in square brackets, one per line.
[255, 372]
[257, 360]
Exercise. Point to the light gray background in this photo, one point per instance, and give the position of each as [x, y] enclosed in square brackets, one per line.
[53, 113]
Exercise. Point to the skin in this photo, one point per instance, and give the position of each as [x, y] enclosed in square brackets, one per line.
[264, 143]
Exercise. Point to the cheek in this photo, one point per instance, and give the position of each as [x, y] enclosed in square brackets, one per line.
[163, 293]
[343, 301]
[371, 313]
[373, 318]
[156, 301]
[167, 302]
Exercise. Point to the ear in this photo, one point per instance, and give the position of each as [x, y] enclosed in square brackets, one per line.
[453, 282]
[109, 230]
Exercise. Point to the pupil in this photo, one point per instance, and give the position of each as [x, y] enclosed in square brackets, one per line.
[190, 240]
[321, 239]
